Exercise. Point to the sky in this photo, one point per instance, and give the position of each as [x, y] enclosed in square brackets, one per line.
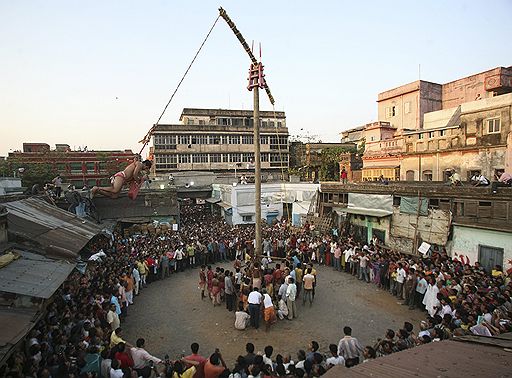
[99, 73]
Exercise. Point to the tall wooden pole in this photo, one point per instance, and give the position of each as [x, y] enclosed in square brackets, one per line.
[257, 172]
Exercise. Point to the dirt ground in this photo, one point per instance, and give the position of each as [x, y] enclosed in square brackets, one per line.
[170, 315]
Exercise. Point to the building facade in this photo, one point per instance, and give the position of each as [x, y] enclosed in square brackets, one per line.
[473, 137]
[221, 140]
[465, 220]
[425, 128]
[77, 167]
[236, 204]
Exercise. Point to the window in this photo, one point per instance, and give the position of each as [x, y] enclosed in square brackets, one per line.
[407, 107]
[420, 136]
[225, 158]
[223, 121]
[234, 158]
[215, 158]
[433, 203]
[279, 124]
[247, 157]
[165, 142]
[264, 124]
[247, 218]
[184, 159]
[234, 139]
[224, 139]
[166, 161]
[202, 122]
[263, 139]
[397, 200]
[190, 121]
[184, 139]
[427, 175]
[199, 158]
[390, 111]
[493, 125]
[237, 122]
[213, 139]
[431, 134]
[249, 122]
[264, 157]
[442, 133]
[199, 139]
[247, 139]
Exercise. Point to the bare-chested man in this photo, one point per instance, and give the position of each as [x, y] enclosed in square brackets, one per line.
[133, 172]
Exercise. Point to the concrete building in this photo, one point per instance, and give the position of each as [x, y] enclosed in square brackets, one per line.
[406, 112]
[235, 203]
[464, 220]
[77, 167]
[473, 137]
[221, 140]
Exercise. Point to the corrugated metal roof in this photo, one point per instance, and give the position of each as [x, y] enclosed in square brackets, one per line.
[33, 275]
[449, 358]
[16, 323]
[58, 231]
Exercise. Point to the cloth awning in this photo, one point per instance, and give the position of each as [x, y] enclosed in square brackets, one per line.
[224, 205]
[370, 212]
[213, 200]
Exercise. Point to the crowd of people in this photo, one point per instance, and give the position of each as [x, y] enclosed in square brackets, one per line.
[81, 332]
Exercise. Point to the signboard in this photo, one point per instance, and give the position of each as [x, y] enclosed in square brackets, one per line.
[175, 226]
[424, 248]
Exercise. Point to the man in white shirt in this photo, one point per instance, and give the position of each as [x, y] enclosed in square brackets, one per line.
[336, 359]
[255, 299]
[400, 278]
[113, 318]
[282, 310]
[291, 293]
[141, 359]
[269, 314]
[242, 318]
[115, 369]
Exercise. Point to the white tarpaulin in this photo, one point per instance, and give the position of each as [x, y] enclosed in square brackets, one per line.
[371, 201]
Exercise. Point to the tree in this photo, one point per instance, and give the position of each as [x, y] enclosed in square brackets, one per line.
[330, 157]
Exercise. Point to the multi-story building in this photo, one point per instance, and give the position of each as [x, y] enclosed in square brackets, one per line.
[221, 140]
[474, 137]
[77, 167]
[406, 112]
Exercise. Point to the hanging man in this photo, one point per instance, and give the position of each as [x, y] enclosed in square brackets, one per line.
[132, 174]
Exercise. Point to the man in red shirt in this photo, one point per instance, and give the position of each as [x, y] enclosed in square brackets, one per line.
[123, 357]
[198, 358]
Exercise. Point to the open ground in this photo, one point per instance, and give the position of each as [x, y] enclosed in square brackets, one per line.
[170, 315]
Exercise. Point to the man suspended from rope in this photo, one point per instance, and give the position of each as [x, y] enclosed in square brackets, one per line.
[133, 175]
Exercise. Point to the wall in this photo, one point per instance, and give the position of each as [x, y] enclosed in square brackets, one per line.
[432, 228]
[467, 239]
[471, 88]
[421, 97]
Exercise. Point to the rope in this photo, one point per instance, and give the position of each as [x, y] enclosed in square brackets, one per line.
[150, 132]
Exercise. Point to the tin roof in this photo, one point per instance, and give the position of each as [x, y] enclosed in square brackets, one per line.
[469, 356]
[33, 275]
[16, 323]
[59, 232]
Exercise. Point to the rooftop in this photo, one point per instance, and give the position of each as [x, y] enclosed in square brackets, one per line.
[229, 113]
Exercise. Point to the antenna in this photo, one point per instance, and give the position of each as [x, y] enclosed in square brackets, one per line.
[260, 51]
[419, 71]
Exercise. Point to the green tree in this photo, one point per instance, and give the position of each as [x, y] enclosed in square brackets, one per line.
[330, 157]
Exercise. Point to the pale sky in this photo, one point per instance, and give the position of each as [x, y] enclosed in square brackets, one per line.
[98, 73]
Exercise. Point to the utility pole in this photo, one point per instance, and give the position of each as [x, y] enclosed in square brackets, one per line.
[257, 171]
[256, 81]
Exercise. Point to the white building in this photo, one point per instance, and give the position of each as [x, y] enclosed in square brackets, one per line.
[236, 202]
